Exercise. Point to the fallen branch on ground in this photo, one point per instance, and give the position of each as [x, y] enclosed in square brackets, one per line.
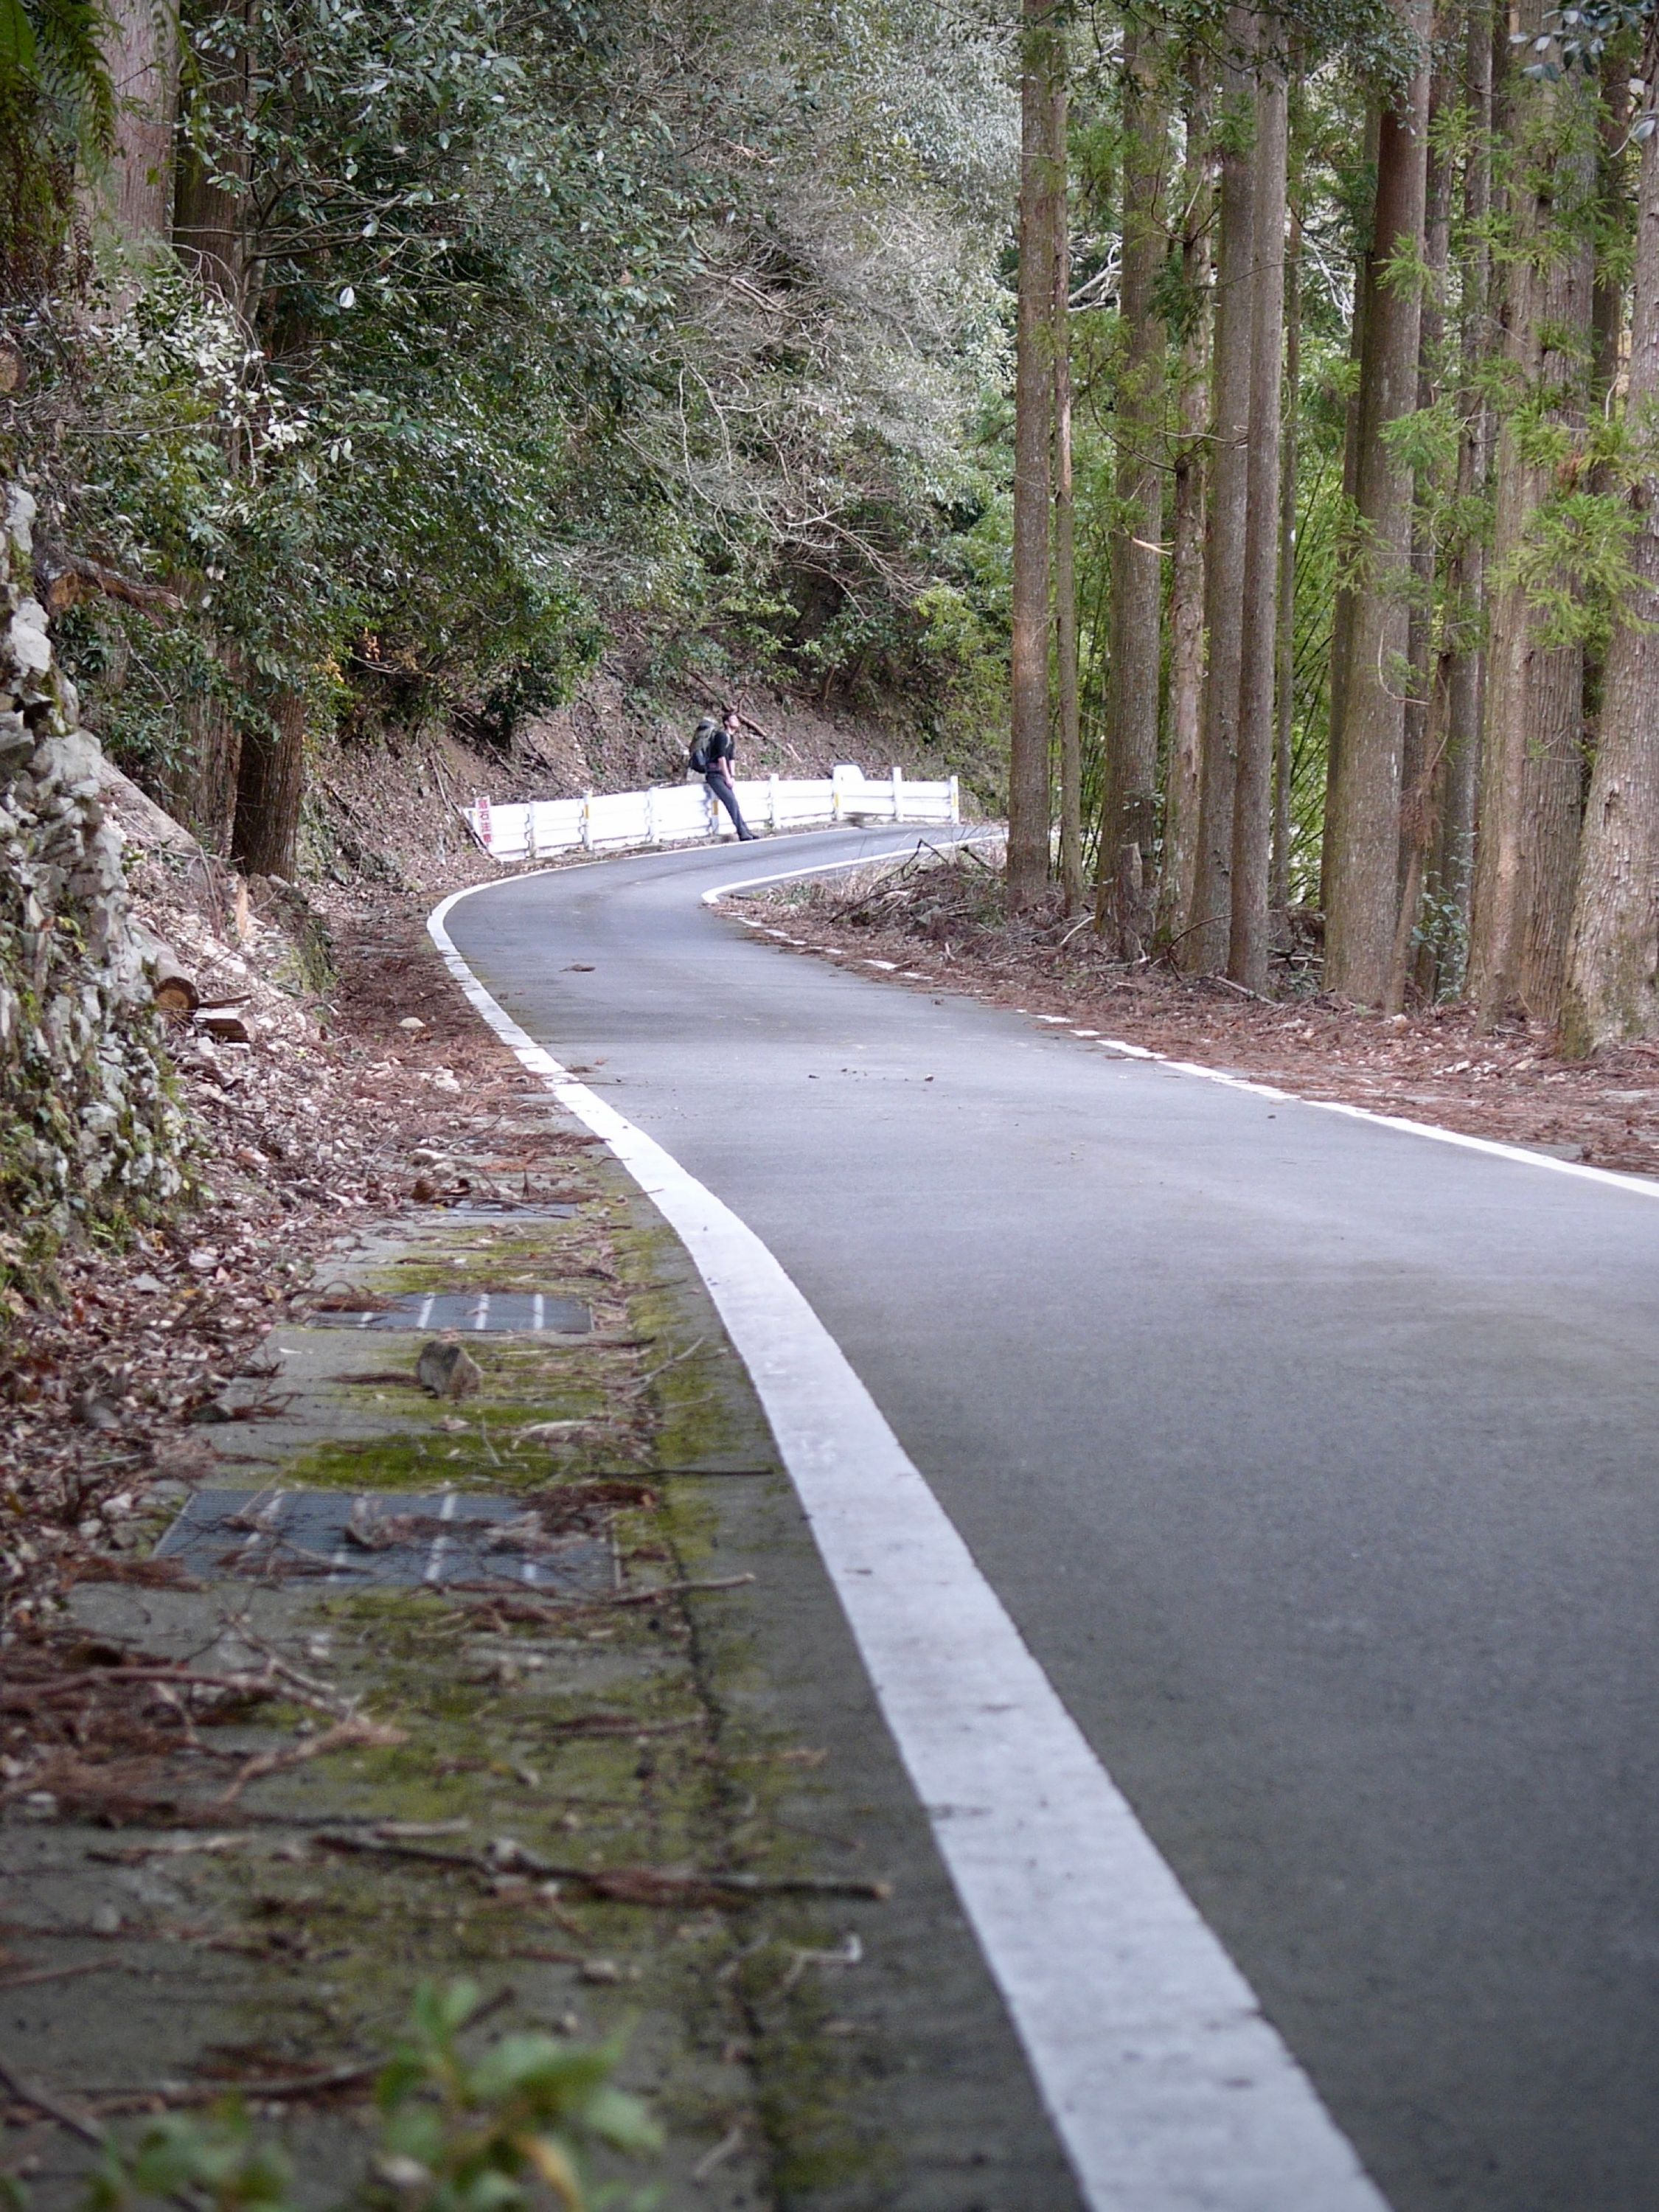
[635, 1885]
[367, 1733]
[511, 1594]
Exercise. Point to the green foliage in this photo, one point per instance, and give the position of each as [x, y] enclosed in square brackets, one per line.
[57, 114]
[561, 316]
[505, 2131]
[1574, 566]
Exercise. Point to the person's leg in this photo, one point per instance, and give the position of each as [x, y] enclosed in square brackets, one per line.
[726, 792]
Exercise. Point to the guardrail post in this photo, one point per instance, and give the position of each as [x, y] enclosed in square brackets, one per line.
[529, 831]
[651, 836]
[898, 796]
[588, 821]
[955, 800]
[772, 800]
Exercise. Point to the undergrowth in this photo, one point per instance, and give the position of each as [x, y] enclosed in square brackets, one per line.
[506, 2132]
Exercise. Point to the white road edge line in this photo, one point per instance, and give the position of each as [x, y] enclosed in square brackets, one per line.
[1642, 1186]
[1169, 2089]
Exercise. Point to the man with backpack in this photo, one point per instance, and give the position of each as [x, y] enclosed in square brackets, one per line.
[714, 755]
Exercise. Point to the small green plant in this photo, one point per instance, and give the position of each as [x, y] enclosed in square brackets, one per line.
[503, 2132]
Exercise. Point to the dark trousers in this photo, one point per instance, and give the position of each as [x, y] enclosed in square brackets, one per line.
[725, 792]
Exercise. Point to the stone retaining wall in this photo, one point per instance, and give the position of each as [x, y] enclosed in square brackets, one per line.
[89, 1136]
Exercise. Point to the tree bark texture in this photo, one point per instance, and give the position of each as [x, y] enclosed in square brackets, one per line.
[1247, 959]
[1363, 893]
[1125, 892]
[1204, 948]
[141, 46]
[209, 197]
[1181, 806]
[1033, 392]
[1532, 749]
[1278, 893]
[1421, 780]
[1342, 609]
[269, 788]
[1615, 213]
[1612, 984]
[1066, 618]
[203, 787]
[1466, 584]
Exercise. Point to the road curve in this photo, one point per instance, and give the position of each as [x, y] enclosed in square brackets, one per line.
[1313, 1460]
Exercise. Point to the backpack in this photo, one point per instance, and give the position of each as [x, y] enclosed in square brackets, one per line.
[706, 730]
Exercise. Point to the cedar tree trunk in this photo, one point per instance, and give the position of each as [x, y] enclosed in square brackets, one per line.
[1363, 893]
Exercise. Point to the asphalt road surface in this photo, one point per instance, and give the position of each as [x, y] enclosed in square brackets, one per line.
[1316, 1461]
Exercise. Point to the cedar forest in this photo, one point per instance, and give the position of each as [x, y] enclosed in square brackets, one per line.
[1226, 435]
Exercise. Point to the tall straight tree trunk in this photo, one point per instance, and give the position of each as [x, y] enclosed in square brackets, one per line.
[1363, 894]
[1246, 958]
[270, 787]
[1613, 964]
[202, 784]
[1181, 806]
[1613, 188]
[141, 46]
[212, 221]
[1465, 588]
[1278, 896]
[1034, 394]
[1065, 640]
[1129, 812]
[1607, 308]
[1532, 751]
[1421, 780]
[210, 214]
[1342, 613]
[1205, 948]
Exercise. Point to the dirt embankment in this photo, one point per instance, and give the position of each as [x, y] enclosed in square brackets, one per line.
[942, 922]
[386, 813]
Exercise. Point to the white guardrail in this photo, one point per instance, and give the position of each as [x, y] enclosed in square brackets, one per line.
[680, 813]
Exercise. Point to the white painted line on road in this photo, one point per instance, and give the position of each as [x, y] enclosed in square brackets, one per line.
[1170, 2090]
[1642, 1186]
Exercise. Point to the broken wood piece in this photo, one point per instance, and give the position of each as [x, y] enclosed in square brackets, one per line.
[285, 2089]
[376, 1734]
[637, 1885]
[43, 2099]
[175, 993]
[508, 1595]
[63, 581]
[225, 1024]
[60, 1973]
[621, 1724]
[711, 2161]
[143, 1574]
[178, 1847]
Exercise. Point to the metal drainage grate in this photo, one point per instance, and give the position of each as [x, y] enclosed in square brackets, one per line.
[494, 1312]
[335, 1538]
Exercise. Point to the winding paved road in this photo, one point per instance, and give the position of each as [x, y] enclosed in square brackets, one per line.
[1317, 1463]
